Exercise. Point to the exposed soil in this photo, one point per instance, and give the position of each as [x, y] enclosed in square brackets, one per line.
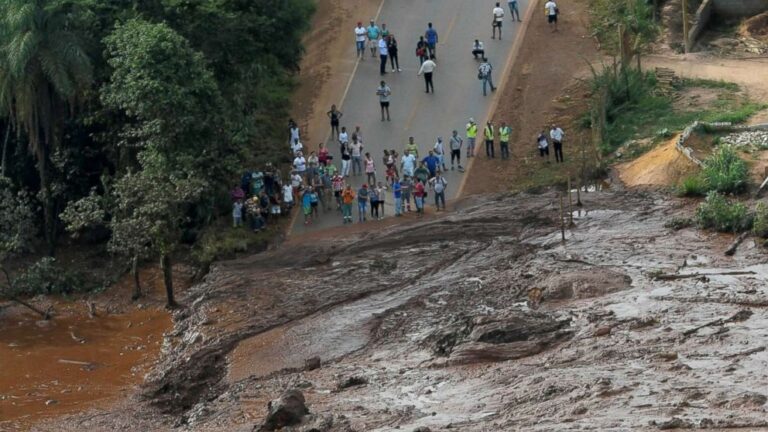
[662, 166]
[756, 27]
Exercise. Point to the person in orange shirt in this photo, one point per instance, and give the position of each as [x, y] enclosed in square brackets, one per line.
[347, 198]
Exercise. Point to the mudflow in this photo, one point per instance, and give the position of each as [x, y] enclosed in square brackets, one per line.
[482, 320]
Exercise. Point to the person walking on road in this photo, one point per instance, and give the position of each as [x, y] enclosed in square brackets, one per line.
[360, 34]
[335, 115]
[421, 50]
[557, 142]
[488, 134]
[504, 133]
[497, 20]
[431, 36]
[427, 68]
[513, 10]
[439, 149]
[383, 54]
[373, 33]
[347, 198]
[550, 8]
[484, 73]
[370, 169]
[393, 60]
[543, 145]
[438, 183]
[384, 92]
[471, 137]
[455, 144]
[362, 202]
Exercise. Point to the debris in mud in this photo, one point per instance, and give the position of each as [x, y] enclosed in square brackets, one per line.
[288, 410]
[382, 266]
[510, 335]
[312, 363]
[352, 381]
[582, 284]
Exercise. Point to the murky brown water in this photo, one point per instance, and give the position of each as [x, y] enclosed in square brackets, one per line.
[72, 363]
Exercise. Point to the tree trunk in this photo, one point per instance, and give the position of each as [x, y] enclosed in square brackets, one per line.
[165, 264]
[49, 223]
[4, 165]
[136, 281]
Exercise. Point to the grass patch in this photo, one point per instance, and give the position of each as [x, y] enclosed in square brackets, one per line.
[707, 83]
[222, 241]
[720, 214]
[760, 224]
[724, 171]
[695, 185]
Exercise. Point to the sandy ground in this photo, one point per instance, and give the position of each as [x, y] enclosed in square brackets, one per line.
[662, 166]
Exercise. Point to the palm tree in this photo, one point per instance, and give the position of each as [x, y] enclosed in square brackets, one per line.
[47, 72]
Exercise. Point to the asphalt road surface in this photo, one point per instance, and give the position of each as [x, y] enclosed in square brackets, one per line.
[425, 116]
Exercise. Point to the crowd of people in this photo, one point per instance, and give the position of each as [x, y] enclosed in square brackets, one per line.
[321, 183]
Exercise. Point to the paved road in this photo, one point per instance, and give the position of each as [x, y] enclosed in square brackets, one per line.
[458, 93]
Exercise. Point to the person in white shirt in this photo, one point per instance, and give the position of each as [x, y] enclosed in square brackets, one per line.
[296, 146]
[557, 142]
[384, 92]
[427, 68]
[407, 164]
[438, 184]
[550, 8]
[383, 54]
[288, 196]
[498, 19]
[360, 34]
[293, 131]
[439, 149]
[478, 49]
[300, 164]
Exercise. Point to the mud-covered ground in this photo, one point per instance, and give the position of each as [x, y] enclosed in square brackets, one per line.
[431, 325]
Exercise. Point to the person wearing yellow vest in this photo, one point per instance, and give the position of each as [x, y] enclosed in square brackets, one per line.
[504, 132]
[471, 136]
[488, 135]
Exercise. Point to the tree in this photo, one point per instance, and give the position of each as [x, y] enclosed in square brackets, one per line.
[47, 72]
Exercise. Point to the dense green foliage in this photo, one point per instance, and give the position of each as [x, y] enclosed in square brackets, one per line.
[724, 171]
[634, 16]
[760, 224]
[136, 115]
[720, 214]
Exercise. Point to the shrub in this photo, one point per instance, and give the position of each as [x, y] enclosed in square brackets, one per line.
[725, 172]
[720, 214]
[760, 225]
[47, 277]
[695, 185]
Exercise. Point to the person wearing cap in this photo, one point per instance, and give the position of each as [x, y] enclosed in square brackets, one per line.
[471, 137]
[504, 133]
[373, 32]
[362, 202]
[360, 33]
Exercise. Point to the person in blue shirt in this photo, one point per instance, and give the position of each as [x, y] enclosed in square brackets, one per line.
[306, 206]
[373, 37]
[397, 192]
[362, 202]
[431, 36]
[431, 161]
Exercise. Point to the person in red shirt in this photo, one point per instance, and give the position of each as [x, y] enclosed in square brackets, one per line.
[322, 155]
[418, 193]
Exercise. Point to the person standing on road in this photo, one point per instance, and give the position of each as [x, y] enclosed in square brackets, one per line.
[455, 144]
[418, 197]
[421, 49]
[431, 162]
[471, 137]
[343, 137]
[550, 8]
[383, 54]
[374, 198]
[407, 188]
[543, 145]
[384, 93]
[382, 190]
[347, 198]
[293, 132]
[300, 165]
[346, 158]
[438, 184]
[504, 133]
[497, 20]
[393, 60]
[397, 194]
[357, 156]
[557, 142]
[488, 134]
[484, 73]
[478, 49]
[323, 155]
[427, 68]
[513, 10]
[337, 182]
[384, 31]
[439, 149]
[360, 33]
[362, 202]
[335, 115]
[412, 148]
[431, 36]
[370, 170]
[359, 134]
[373, 33]
[408, 163]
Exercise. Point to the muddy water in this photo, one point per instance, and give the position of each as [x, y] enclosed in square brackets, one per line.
[72, 363]
[329, 335]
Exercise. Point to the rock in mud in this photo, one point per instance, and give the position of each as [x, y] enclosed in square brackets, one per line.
[312, 363]
[352, 381]
[582, 284]
[602, 331]
[288, 410]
